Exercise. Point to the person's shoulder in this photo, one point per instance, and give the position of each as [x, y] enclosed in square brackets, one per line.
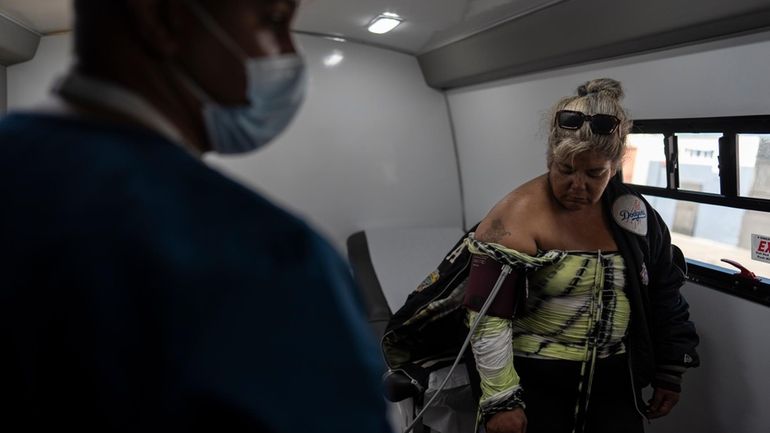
[30, 130]
[240, 216]
[167, 189]
[19, 119]
[210, 198]
[93, 148]
[229, 228]
[513, 220]
[517, 207]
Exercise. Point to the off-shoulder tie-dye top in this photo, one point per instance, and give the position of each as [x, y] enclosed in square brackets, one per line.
[576, 310]
[579, 298]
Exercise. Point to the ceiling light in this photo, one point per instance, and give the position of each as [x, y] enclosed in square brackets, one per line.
[385, 23]
[334, 59]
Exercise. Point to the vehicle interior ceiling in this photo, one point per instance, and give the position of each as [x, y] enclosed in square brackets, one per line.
[465, 42]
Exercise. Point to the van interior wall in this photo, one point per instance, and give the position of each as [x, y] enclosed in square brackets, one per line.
[371, 147]
[501, 131]
[29, 83]
[501, 127]
[729, 391]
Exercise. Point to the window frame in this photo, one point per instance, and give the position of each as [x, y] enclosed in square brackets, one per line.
[730, 127]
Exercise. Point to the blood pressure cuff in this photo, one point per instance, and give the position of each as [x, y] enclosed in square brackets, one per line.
[484, 273]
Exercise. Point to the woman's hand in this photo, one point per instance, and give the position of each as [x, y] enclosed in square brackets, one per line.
[662, 402]
[509, 421]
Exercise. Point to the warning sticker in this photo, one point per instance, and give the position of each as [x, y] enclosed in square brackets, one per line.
[760, 248]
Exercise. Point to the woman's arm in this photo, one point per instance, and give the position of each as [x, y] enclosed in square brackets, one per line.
[673, 334]
[493, 352]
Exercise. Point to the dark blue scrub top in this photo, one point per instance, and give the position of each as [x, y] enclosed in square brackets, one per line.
[141, 290]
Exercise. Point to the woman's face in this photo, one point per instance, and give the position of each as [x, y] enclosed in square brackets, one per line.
[580, 182]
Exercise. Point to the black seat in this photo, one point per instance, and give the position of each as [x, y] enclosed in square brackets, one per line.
[377, 309]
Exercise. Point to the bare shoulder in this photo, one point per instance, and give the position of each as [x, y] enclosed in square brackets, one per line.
[512, 221]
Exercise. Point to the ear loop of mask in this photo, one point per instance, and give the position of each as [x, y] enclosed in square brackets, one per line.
[190, 84]
[216, 29]
[212, 26]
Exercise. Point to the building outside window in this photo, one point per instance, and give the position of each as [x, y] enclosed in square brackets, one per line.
[684, 169]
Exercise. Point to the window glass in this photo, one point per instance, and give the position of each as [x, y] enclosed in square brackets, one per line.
[710, 233]
[645, 160]
[699, 162]
[754, 163]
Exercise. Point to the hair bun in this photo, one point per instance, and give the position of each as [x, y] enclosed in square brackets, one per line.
[609, 86]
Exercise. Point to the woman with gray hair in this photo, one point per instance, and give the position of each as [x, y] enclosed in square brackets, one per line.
[603, 316]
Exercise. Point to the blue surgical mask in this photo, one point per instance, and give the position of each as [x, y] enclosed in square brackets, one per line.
[275, 91]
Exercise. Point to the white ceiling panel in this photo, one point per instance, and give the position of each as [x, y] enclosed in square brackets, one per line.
[428, 24]
[350, 18]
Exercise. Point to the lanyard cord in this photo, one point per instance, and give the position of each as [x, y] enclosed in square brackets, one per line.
[589, 357]
[503, 274]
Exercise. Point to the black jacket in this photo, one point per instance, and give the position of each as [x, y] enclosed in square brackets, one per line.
[431, 324]
[660, 332]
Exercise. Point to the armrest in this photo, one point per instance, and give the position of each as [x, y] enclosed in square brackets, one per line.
[399, 386]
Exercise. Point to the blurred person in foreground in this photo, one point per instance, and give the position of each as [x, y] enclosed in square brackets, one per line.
[142, 290]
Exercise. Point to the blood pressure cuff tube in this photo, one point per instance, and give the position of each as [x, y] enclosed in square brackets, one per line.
[484, 274]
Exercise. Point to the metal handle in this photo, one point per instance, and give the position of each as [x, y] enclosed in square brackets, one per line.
[745, 273]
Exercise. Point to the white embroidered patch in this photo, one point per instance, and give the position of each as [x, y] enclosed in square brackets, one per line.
[630, 213]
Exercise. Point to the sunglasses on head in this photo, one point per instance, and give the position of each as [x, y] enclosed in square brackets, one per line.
[600, 123]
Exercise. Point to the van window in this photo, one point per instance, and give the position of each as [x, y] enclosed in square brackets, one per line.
[709, 178]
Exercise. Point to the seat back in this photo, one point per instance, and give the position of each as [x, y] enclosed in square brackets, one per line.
[388, 264]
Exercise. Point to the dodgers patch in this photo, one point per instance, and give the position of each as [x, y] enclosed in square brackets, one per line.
[630, 213]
